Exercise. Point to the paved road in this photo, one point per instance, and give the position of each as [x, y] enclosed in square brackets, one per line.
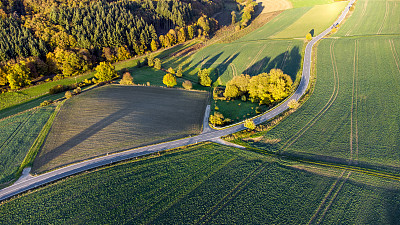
[207, 135]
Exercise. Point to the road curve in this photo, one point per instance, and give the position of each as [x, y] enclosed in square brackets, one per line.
[207, 135]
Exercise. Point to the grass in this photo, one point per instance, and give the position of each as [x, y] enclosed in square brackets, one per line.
[10, 99]
[17, 135]
[237, 110]
[378, 17]
[304, 3]
[206, 183]
[317, 19]
[115, 118]
[342, 122]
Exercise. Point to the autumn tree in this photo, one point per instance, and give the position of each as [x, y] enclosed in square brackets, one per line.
[123, 53]
[249, 124]
[179, 72]
[233, 13]
[218, 119]
[157, 63]
[171, 70]
[309, 37]
[169, 80]
[105, 72]
[204, 77]
[293, 104]
[238, 86]
[18, 75]
[150, 60]
[187, 85]
[126, 79]
[153, 45]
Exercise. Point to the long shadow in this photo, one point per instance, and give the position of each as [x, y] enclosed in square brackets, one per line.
[288, 62]
[82, 136]
[224, 65]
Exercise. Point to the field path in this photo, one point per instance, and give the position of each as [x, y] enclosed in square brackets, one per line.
[40, 180]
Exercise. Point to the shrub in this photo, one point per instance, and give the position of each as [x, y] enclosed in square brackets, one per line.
[293, 104]
[148, 83]
[46, 102]
[187, 85]
[77, 90]
[126, 79]
[308, 37]
[150, 60]
[169, 80]
[157, 63]
[218, 119]
[249, 124]
[171, 71]
[57, 89]
[68, 95]
[179, 72]
[243, 98]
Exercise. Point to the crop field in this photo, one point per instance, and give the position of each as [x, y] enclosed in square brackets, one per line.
[207, 183]
[372, 17]
[303, 3]
[350, 117]
[115, 118]
[16, 137]
[318, 18]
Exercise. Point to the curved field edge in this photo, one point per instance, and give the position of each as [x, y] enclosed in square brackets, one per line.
[18, 135]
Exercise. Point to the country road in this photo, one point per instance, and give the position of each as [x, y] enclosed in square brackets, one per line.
[208, 134]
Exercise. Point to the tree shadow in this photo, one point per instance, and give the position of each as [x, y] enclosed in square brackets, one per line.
[221, 68]
[289, 62]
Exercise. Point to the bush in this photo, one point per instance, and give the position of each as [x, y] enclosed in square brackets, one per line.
[46, 102]
[293, 104]
[77, 90]
[68, 95]
[57, 89]
[126, 79]
[187, 85]
[249, 124]
[171, 71]
[157, 63]
[179, 72]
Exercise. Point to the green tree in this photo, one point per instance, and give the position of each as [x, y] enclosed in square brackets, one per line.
[249, 124]
[157, 63]
[18, 75]
[105, 72]
[204, 77]
[169, 80]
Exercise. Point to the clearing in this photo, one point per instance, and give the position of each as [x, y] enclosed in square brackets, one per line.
[116, 118]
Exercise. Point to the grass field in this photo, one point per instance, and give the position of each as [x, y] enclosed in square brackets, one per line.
[16, 137]
[317, 19]
[207, 183]
[115, 118]
[349, 117]
[304, 3]
[372, 17]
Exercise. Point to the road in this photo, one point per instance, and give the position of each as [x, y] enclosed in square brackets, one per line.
[208, 135]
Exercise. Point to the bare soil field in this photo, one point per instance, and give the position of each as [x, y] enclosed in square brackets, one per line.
[116, 118]
[274, 5]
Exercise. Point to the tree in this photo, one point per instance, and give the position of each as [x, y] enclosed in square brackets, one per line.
[105, 72]
[308, 37]
[150, 60]
[157, 63]
[187, 85]
[153, 45]
[179, 72]
[238, 86]
[169, 80]
[293, 104]
[126, 79]
[204, 77]
[171, 71]
[231, 91]
[249, 124]
[218, 119]
[190, 31]
[18, 75]
[123, 53]
[233, 13]
[68, 95]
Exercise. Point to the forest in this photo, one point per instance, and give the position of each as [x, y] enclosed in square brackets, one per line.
[67, 37]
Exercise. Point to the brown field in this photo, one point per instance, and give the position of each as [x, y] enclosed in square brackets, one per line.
[274, 5]
[115, 118]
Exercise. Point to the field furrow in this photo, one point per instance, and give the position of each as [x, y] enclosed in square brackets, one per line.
[384, 18]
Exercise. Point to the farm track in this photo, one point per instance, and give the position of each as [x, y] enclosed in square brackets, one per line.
[384, 18]
[359, 20]
[395, 55]
[343, 181]
[15, 132]
[203, 168]
[332, 99]
[231, 195]
[353, 111]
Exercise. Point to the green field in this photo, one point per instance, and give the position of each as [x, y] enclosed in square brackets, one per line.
[318, 18]
[303, 3]
[16, 137]
[208, 183]
[375, 17]
[352, 115]
[115, 118]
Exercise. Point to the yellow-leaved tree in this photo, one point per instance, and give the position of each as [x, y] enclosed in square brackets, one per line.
[169, 80]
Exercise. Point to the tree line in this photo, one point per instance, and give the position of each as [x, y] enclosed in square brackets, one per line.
[70, 37]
